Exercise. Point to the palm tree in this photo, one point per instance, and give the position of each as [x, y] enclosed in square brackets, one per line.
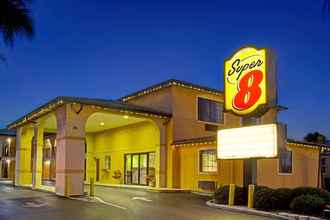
[325, 7]
[15, 20]
[315, 137]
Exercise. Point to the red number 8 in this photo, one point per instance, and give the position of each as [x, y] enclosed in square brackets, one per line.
[248, 90]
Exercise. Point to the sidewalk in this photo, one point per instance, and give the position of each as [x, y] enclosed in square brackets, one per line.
[147, 188]
[246, 210]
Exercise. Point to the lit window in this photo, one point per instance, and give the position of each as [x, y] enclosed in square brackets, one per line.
[210, 111]
[285, 161]
[208, 160]
[107, 163]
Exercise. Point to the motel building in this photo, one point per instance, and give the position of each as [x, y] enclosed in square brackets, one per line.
[162, 137]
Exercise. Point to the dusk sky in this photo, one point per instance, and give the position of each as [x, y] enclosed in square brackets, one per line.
[107, 49]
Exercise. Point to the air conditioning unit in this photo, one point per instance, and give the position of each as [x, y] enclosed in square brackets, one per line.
[208, 185]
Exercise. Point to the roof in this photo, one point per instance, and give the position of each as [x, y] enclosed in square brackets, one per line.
[168, 83]
[111, 104]
[213, 140]
[7, 132]
[326, 145]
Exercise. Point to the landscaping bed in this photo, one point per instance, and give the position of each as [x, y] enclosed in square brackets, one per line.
[300, 200]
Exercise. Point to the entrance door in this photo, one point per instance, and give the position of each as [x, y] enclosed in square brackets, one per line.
[5, 169]
[97, 161]
[143, 169]
[137, 168]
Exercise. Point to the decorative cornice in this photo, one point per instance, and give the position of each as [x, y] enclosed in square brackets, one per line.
[101, 104]
[212, 140]
[169, 83]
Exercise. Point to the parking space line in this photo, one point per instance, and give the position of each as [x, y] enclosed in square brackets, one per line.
[110, 204]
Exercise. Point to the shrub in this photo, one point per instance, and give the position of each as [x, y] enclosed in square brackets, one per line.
[325, 195]
[281, 199]
[263, 198]
[308, 204]
[221, 195]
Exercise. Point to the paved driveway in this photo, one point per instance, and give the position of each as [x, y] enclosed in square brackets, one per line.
[114, 203]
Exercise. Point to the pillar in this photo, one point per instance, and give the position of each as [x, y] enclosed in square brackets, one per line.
[70, 151]
[37, 159]
[23, 156]
[161, 152]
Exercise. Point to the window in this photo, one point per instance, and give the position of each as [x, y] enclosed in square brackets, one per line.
[285, 161]
[248, 121]
[208, 160]
[210, 111]
[107, 162]
[5, 148]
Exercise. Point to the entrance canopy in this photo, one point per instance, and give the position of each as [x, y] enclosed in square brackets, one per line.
[97, 103]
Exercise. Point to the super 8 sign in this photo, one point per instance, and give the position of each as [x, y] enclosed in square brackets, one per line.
[245, 79]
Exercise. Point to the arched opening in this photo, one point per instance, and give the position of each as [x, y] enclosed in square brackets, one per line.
[121, 149]
[48, 175]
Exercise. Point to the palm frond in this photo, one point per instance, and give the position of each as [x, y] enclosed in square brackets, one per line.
[15, 19]
[326, 7]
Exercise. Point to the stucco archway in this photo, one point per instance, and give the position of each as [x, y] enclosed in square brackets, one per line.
[122, 149]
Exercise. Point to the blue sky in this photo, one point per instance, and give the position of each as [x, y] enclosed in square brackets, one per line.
[106, 49]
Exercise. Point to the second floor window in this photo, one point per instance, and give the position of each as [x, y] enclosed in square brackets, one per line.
[210, 111]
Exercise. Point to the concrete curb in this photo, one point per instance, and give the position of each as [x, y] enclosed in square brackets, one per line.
[245, 210]
[242, 209]
[143, 188]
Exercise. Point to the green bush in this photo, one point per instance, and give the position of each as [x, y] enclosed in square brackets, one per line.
[221, 195]
[263, 198]
[325, 195]
[281, 199]
[308, 204]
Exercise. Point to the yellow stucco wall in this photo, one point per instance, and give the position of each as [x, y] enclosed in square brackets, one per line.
[136, 138]
[304, 165]
[229, 171]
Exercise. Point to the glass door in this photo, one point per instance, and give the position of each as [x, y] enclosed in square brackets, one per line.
[135, 168]
[143, 169]
[128, 169]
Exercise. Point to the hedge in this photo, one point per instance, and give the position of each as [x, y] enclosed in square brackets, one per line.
[311, 191]
[221, 195]
[305, 200]
[281, 198]
[308, 204]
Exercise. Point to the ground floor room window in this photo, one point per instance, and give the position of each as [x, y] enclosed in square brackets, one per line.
[208, 160]
[285, 161]
[107, 162]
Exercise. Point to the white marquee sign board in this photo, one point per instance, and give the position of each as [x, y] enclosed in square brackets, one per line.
[260, 141]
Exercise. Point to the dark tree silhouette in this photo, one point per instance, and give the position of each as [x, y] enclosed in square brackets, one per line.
[315, 137]
[15, 20]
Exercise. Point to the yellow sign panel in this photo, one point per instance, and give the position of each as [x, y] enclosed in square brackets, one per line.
[245, 81]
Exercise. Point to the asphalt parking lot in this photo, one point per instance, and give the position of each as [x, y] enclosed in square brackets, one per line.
[111, 203]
